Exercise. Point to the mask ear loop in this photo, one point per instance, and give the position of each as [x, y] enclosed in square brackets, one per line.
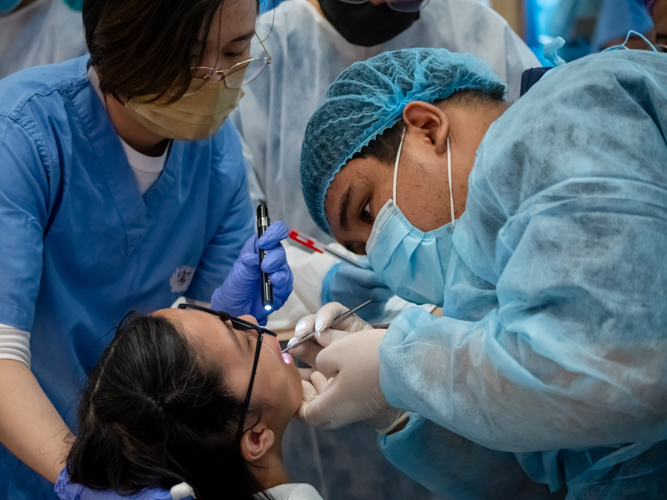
[449, 175]
[398, 156]
[623, 45]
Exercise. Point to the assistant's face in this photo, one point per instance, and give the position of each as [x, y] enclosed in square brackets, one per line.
[230, 34]
[364, 185]
[277, 389]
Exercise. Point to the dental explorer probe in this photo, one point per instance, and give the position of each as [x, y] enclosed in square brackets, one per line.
[338, 319]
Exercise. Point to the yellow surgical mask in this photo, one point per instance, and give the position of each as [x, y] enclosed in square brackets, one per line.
[192, 117]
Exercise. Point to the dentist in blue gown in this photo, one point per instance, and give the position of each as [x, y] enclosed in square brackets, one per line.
[122, 187]
[540, 228]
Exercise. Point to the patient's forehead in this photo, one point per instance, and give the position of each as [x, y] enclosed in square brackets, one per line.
[217, 346]
[210, 336]
[188, 318]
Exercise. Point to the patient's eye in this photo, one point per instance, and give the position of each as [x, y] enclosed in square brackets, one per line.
[366, 216]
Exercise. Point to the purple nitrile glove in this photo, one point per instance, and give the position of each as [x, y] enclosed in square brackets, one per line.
[66, 490]
[241, 292]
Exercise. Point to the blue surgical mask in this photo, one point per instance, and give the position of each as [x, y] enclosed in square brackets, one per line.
[6, 6]
[411, 262]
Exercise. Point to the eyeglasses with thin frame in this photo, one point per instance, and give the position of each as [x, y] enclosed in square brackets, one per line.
[397, 5]
[238, 75]
[239, 324]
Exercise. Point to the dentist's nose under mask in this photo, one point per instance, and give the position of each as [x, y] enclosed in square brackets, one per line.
[411, 262]
[192, 117]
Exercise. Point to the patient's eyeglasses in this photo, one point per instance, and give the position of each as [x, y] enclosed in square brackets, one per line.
[239, 324]
[397, 5]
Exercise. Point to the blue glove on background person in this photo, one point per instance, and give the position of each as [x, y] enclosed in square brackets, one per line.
[66, 490]
[241, 292]
[350, 286]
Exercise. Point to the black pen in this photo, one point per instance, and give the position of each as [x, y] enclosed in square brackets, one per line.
[263, 223]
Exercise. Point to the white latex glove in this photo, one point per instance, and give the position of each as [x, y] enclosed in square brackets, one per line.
[387, 421]
[312, 388]
[351, 369]
[316, 383]
[325, 336]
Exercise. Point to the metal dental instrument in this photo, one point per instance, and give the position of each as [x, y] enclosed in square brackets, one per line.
[338, 319]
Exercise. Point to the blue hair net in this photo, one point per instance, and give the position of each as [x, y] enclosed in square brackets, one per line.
[368, 98]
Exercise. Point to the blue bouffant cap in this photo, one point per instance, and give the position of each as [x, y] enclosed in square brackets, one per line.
[368, 98]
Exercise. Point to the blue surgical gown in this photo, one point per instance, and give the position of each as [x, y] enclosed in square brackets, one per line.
[553, 335]
[80, 246]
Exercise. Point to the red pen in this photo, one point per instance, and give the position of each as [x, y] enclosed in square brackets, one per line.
[316, 246]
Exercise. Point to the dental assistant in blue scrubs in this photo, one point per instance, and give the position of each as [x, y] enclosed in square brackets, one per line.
[121, 188]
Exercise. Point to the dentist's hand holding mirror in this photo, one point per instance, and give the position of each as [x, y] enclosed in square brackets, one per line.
[327, 329]
[345, 386]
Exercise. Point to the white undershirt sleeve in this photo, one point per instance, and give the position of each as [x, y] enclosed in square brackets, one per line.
[14, 344]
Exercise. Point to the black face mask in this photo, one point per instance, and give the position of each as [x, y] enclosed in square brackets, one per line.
[366, 24]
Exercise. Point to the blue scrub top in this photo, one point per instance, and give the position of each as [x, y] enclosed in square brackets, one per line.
[81, 247]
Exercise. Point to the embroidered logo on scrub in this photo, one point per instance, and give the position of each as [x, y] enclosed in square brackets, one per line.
[181, 279]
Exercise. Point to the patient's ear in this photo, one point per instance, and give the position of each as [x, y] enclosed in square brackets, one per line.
[256, 442]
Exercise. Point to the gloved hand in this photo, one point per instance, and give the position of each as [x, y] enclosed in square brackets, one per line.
[351, 286]
[324, 336]
[383, 422]
[354, 393]
[241, 292]
[66, 490]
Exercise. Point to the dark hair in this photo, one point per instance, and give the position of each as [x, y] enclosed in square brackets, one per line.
[154, 415]
[144, 49]
[385, 146]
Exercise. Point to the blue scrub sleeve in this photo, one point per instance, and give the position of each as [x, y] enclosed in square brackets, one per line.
[574, 355]
[24, 209]
[237, 222]
[455, 467]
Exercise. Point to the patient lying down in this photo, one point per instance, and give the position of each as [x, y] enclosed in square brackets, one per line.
[164, 405]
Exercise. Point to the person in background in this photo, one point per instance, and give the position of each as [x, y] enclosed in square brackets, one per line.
[122, 186]
[34, 32]
[311, 42]
[658, 11]
[539, 227]
[186, 396]
[589, 26]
